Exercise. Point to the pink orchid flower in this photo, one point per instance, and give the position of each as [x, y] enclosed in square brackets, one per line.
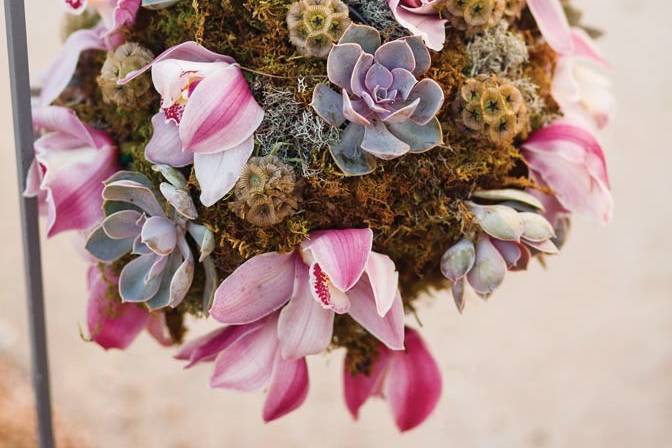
[570, 160]
[410, 381]
[333, 272]
[247, 358]
[71, 162]
[580, 86]
[421, 17]
[106, 36]
[208, 116]
[113, 324]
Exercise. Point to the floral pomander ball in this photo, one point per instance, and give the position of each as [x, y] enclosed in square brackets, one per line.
[302, 171]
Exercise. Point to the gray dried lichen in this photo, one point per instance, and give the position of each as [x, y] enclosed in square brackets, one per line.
[290, 130]
[497, 51]
[377, 14]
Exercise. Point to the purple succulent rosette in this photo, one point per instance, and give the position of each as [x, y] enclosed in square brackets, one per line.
[390, 112]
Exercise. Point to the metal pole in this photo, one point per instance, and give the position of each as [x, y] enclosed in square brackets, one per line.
[15, 22]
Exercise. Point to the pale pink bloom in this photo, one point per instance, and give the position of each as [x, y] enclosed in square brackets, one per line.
[579, 84]
[106, 36]
[553, 24]
[410, 381]
[71, 162]
[569, 159]
[208, 116]
[421, 17]
[247, 358]
[113, 324]
[334, 271]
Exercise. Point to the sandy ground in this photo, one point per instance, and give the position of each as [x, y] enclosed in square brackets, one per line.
[576, 356]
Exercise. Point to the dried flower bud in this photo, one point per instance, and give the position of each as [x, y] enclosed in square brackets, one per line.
[475, 16]
[128, 57]
[314, 25]
[494, 107]
[266, 192]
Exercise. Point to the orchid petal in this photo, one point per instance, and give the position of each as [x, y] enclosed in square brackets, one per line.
[553, 24]
[218, 173]
[384, 279]
[165, 146]
[342, 254]
[207, 347]
[158, 329]
[221, 113]
[288, 388]
[390, 329]
[73, 181]
[111, 324]
[304, 326]
[419, 21]
[258, 287]
[60, 72]
[571, 161]
[413, 384]
[247, 364]
[358, 387]
[188, 51]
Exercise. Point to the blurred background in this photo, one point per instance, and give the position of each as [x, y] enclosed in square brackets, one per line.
[578, 355]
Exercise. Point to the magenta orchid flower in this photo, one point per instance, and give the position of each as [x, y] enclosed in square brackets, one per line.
[553, 24]
[579, 85]
[106, 36]
[333, 272]
[208, 116]
[570, 160]
[71, 162]
[247, 358]
[409, 380]
[113, 324]
[421, 17]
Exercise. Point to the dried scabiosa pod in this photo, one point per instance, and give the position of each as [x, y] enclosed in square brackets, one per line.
[494, 107]
[475, 16]
[314, 25]
[266, 192]
[128, 57]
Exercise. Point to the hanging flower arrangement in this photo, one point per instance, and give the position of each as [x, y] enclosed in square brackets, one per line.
[301, 171]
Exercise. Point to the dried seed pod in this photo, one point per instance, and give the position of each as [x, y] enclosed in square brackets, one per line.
[128, 57]
[474, 16]
[314, 25]
[494, 107]
[266, 192]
